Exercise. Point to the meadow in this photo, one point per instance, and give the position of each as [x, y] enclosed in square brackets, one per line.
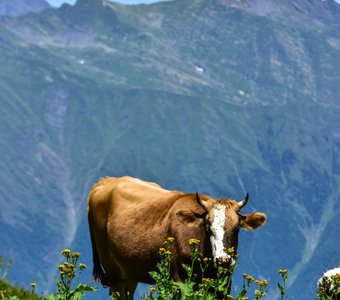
[195, 285]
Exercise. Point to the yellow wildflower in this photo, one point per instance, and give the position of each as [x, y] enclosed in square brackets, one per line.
[162, 250]
[152, 289]
[283, 272]
[170, 239]
[231, 250]
[75, 254]
[82, 266]
[33, 285]
[205, 259]
[194, 242]
[250, 278]
[66, 252]
[262, 283]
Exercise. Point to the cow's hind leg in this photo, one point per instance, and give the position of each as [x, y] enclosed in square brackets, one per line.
[123, 290]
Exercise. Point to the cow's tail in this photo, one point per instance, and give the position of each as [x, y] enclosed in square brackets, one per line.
[98, 271]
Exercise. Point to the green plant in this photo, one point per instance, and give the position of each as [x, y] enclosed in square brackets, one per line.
[7, 267]
[282, 287]
[9, 292]
[196, 286]
[330, 288]
[165, 286]
[247, 282]
[68, 272]
[261, 291]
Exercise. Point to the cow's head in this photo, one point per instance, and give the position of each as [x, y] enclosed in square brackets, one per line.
[223, 221]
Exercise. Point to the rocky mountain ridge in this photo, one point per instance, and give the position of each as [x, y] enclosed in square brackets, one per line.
[19, 7]
[215, 96]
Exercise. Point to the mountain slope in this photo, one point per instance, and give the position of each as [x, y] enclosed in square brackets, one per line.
[20, 7]
[221, 97]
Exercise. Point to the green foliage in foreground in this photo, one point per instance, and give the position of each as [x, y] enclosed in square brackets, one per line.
[192, 288]
[199, 287]
[9, 292]
[68, 272]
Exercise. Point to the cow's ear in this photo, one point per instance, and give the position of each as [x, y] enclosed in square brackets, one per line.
[253, 221]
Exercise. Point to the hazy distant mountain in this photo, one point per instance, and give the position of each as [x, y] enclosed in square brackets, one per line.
[221, 97]
[21, 7]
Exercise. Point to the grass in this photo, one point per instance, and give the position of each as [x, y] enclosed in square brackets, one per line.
[9, 292]
[195, 286]
[67, 287]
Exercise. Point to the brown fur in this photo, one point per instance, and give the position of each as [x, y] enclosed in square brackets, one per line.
[129, 221]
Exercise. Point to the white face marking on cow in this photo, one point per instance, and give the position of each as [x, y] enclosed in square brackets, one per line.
[217, 233]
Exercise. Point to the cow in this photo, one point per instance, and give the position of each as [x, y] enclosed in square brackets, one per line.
[329, 283]
[129, 220]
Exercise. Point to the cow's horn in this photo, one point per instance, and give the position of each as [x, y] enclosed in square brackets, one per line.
[200, 201]
[244, 201]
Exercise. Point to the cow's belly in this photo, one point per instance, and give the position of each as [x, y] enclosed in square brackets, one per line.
[139, 270]
[135, 261]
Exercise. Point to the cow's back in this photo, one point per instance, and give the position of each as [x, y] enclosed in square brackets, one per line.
[125, 192]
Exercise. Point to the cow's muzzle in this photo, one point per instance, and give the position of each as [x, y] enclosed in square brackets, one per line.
[225, 261]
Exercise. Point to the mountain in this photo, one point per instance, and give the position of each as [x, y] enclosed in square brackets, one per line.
[222, 97]
[20, 7]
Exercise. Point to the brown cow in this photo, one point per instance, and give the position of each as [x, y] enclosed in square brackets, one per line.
[130, 219]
